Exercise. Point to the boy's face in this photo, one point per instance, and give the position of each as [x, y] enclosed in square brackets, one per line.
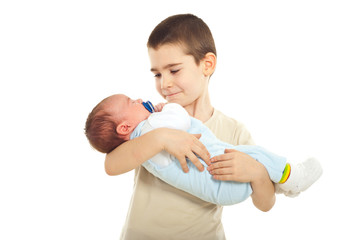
[178, 78]
[127, 109]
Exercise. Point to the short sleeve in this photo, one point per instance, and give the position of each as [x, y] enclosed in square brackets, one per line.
[243, 135]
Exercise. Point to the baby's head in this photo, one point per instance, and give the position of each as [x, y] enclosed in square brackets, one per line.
[113, 120]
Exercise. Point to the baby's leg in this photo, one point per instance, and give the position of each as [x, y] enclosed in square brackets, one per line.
[290, 179]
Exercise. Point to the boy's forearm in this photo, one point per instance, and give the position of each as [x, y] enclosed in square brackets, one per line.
[263, 195]
[133, 153]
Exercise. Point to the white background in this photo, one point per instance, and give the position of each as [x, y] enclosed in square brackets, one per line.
[287, 69]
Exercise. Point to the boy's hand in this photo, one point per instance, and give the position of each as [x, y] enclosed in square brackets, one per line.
[183, 145]
[235, 166]
[159, 107]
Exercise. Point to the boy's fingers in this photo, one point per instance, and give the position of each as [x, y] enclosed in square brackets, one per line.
[223, 177]
[202, 152]
[197, 135]
[221, 171]
[183, 163]
[221, 157]
[192, 157]
[220, 164]
[229, 150]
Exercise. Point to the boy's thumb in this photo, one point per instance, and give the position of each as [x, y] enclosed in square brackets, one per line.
[197, 135]
[228, 150]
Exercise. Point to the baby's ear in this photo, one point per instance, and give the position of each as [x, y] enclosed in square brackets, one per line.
[123, 129]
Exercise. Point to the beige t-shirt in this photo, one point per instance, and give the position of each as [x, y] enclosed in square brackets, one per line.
[159, 211]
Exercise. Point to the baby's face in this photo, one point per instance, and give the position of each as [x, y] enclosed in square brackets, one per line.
[128, 109]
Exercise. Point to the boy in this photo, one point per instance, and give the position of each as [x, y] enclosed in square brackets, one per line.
[118, 119]
[183, 57]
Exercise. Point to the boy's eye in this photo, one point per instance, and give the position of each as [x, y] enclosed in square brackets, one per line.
[157, 75]
[174, 71]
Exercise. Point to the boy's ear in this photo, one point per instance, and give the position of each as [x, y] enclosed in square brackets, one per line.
[210, 62]
[123, 129]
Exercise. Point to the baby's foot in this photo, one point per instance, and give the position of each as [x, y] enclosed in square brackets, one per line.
[302, 176]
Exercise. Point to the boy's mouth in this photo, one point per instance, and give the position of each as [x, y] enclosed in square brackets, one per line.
[171, 95]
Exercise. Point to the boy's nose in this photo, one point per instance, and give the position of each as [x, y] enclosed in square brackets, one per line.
[166, 82]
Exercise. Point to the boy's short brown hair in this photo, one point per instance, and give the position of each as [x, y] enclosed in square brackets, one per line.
[187, 30]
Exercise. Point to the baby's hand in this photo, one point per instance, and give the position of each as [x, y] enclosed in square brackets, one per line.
[159, 107]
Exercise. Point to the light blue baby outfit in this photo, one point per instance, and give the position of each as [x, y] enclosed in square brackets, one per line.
[202, 184]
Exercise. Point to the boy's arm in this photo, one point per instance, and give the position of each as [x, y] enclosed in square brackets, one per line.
[263, 195]
[133, 153]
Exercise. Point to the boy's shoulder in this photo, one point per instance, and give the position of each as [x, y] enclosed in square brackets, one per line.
[229, 129]
[220, 119]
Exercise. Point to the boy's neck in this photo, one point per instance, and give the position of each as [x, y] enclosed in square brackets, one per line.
[201, 109]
